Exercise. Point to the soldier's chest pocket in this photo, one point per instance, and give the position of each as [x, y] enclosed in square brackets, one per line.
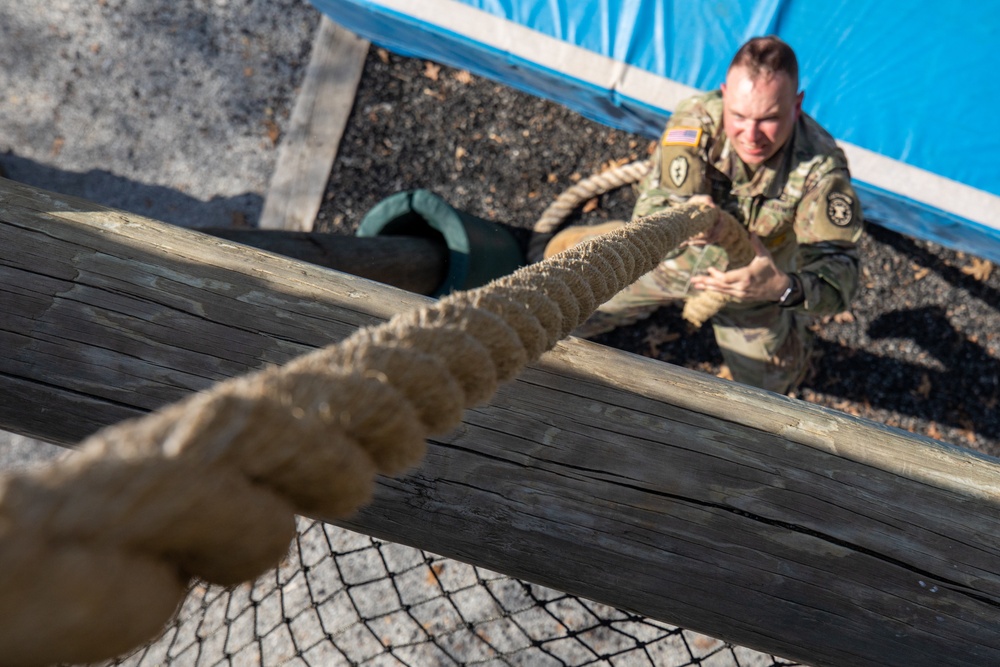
[774, 216]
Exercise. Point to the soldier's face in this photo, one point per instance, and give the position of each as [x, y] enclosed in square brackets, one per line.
[759, 114]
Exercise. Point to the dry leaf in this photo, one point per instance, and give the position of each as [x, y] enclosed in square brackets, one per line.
[590, 205]
[435, 94]
[552, 178]
[924, 390]
[981, 269]
[612, 164]
[724, 373]
[495, 137]
[383, 55]
[848, 407]
[921, 273]
[273, 131]
[846, 317]
[575, 176]
[433, 572]
[248, 72]
[706, 643]
[459, 153]
[463, 76]
[432, 70]
[657, 336]
[933, 431]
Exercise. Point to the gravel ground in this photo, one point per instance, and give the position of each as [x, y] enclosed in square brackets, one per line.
[919, 350]
[167, 109]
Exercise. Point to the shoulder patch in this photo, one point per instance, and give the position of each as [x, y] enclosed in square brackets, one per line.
[682, 171]
[682, 136]
[840, 208]
[678, 170]
[832, 213]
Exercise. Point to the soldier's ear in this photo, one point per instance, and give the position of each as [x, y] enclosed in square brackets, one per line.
[798, 103]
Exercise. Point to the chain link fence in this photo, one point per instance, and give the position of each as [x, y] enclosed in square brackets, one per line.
[342, 598]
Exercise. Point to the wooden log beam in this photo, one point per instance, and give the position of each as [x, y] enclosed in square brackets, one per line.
[414, 264]
[760, 519]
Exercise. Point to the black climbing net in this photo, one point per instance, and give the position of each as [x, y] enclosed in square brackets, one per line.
[342, 598]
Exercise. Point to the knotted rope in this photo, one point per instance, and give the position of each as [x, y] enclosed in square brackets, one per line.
[96, 549]
[733, 237]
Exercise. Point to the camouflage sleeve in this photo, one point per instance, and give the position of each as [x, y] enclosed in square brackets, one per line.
[678, 161]
[828, 225]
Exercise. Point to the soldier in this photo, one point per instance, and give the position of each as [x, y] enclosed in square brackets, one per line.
[750, 150]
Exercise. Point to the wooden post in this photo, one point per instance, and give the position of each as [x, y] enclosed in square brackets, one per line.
[415, 264]
[763, 520]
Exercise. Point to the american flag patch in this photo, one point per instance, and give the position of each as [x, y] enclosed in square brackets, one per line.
[682, 136]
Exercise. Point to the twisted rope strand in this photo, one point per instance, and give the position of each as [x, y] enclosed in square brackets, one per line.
[735, 239]
[592, 186]
[96, 549]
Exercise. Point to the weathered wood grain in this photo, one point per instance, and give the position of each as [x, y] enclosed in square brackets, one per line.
[770, 522]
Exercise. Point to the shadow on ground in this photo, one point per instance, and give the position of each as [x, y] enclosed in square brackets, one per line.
[152, 201]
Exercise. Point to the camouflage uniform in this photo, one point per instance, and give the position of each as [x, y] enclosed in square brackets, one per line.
[801, 205]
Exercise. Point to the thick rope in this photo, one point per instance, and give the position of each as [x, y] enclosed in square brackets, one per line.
[597, 184]
[734, 238]
[96, 550]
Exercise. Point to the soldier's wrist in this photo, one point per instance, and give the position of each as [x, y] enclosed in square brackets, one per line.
[794, 294]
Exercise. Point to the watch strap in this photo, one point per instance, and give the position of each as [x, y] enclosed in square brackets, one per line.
[794, 294]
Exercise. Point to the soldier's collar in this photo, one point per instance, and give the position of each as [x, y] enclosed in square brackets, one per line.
[767, 181]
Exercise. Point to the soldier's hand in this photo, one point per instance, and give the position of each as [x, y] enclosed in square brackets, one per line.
[760, 280]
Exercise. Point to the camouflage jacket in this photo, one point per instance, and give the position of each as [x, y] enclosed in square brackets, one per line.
[800, 202]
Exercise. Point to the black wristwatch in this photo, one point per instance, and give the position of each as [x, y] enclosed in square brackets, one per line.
[794, 295]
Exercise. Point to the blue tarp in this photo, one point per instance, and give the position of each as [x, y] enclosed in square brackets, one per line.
[905, 87]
